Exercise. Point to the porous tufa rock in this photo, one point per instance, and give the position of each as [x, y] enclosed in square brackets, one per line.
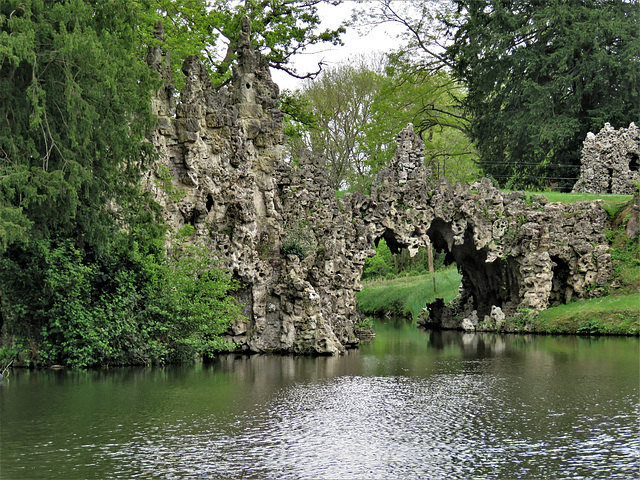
[610, 161]
[299, 252]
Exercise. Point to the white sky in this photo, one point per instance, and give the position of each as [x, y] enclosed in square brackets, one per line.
[381, 39]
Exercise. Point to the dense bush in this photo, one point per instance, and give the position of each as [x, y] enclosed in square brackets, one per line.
[135, 305]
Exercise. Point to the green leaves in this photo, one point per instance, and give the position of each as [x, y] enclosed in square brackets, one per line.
[196, 295]
[130, 306]
[83, 274]
[75, 113]
[354, 113]
[540, 76]
[210, 28]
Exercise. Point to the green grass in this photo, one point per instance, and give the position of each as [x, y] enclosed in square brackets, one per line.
[568, 198]
[610, 202]
[614, 315]
[405, 296]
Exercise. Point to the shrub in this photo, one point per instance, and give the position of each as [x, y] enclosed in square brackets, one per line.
[131, 305]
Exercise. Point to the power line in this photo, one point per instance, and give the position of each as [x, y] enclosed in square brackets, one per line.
[490, 164]
[528, 177]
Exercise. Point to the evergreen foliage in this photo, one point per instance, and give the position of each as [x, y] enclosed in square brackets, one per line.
[540, 75]
[84, 278]
[69, 75]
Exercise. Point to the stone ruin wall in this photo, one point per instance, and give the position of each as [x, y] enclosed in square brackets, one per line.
[610, 161]
[513, 253]
[299, 252]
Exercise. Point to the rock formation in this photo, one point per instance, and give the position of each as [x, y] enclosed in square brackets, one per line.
[610, 161]
[299, 252]
[220, 170]
[514, 253]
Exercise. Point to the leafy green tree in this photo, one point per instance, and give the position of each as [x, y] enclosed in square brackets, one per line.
[381, 264]
[132, 305]
[429, 99]
[84, 279]
[540, 75]
[356, 110]
[209, 29]
[341, 103]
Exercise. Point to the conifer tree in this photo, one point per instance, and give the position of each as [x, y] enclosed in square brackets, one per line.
[542, 74]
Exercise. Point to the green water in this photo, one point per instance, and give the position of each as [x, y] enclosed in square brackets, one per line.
[412, 404]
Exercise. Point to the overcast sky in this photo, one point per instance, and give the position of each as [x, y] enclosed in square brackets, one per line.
[380, 39]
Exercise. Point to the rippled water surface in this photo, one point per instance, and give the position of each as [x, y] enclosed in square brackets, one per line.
[410, 405]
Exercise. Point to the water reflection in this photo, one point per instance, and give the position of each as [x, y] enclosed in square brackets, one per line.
[412, 404]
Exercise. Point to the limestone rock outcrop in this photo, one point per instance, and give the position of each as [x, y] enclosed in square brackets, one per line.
[514, 253]
[277, 228]
[299, 252]
[610, 161]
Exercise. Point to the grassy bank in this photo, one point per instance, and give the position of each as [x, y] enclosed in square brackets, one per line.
[406, 296]
[617, 314]
[608, 199]
[613, 315]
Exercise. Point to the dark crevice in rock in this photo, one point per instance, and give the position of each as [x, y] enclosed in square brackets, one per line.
[389, 237]
[299, 252]
[561, 291]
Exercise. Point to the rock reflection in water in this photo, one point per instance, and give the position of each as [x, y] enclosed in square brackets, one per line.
[412, 404]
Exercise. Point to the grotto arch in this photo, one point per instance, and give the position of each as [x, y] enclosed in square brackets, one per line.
[223, 150]
[485, 286]
[512, 254]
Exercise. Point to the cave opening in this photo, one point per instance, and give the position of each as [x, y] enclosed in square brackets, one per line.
[610, 180]
[561, 291]
[393, 259]
[634, 162]
[390, 239]
[484, 284]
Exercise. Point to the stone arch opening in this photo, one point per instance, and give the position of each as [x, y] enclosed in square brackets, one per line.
[561, 291]
[485, 285]
[407, 260]
[391, 241]
[634, 162]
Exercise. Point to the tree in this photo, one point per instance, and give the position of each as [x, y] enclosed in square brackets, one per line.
[358, 109]
[423, 35]
[209, 29]
[341, 103]
[540, 75]
[69, 75]
[83, 271]
[429, 99]
[420, 88]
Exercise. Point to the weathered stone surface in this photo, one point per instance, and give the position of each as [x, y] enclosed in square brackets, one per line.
[299, 252]
[610, 161]
[512, 255]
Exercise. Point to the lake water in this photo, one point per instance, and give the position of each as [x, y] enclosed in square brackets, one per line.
[412, 404]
